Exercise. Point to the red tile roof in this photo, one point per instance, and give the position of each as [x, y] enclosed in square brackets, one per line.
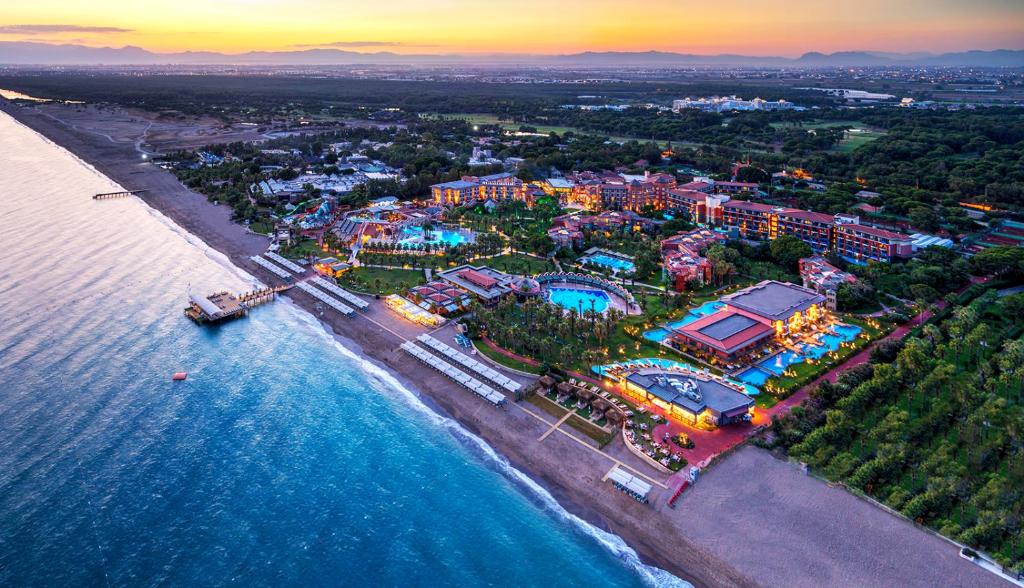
[745, 336]
[478, 279]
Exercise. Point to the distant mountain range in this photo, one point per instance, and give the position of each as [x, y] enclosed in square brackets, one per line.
[28, 53]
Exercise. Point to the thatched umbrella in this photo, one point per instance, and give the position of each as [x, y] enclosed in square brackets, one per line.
[600, 404]
[584, 393]
[546, 382]
[565, 388]
[615, 416]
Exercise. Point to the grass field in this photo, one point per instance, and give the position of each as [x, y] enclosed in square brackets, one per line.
[858, 136]
[491, 119]
[388, 281]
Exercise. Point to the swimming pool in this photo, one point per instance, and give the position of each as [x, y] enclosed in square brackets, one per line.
[656, 335]
[828, 342]
[695, 313]
[616, 263]
[778, 363]
[443, 236]
[754, 376]
[579, 299]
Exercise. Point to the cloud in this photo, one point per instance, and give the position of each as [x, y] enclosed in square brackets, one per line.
[43, 29]
[362, 44]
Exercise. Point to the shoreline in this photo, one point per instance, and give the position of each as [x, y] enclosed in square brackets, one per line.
[571, 476]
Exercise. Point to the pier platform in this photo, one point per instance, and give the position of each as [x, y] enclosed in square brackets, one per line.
[121, 194]
[221, 306]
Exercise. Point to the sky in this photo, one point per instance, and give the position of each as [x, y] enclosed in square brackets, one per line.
[762, 27]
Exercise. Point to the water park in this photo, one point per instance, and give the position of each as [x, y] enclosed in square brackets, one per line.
[444, 236]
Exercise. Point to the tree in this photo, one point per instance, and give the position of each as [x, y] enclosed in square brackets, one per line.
[924, 218]
[852, 296]
[787, 251]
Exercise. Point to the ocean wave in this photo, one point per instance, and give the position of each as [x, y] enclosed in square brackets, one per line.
[614, 544]
[650, 575]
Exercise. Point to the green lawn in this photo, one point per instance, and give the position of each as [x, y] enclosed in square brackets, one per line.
[588, 428]
[856, 140]
[382, 281]
[303, 249]
[491, 119]
[503, 360]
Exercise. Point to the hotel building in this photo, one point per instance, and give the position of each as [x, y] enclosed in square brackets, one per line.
[689, 396]
[841, 233]
[750, 318]
[823, 277]
[496, 188]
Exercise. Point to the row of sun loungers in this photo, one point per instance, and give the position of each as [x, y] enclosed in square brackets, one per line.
[325, 298]
[288, 264]
[276, 270]
[469, 362]
[483, 390]
[341, 293]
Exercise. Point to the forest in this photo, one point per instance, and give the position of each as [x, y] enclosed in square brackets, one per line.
[931, 426]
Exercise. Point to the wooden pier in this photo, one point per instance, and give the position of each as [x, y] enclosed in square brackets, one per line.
[221, 306]
[121, 194]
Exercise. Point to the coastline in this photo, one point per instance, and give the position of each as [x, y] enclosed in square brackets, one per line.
[570, 475]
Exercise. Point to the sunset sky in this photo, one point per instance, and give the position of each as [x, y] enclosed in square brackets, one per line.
[761, 27]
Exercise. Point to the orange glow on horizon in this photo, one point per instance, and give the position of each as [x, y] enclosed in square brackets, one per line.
[768, 27]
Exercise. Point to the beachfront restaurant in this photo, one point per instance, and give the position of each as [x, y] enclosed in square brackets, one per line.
[691, 397]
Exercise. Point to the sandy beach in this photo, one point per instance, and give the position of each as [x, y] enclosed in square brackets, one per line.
[728, 531]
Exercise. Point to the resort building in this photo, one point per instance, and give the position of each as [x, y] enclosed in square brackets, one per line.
[454, 193]
[440, 297]
[751, 317]
[613, 191]
[690, 396]
[487, 284]
[813, 228]
[754, 220]
[729, 104]
[681, 257]
[735, 187]
[726, 334]
[841, 233]
[860, 242]
[823, 277]
[504, 187]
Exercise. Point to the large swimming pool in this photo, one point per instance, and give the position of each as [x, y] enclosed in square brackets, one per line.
[827, 342]
[696, 313]
[616, 263]
[442, 236]
[579, 299]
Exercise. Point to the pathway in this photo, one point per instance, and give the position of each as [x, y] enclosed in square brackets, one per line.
[555, 426]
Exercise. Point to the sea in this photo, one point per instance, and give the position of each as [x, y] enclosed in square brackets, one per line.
[284, 459]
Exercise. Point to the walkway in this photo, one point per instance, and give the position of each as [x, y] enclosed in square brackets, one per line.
[555, 426]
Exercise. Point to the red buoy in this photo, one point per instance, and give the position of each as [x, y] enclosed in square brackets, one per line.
[179, 376]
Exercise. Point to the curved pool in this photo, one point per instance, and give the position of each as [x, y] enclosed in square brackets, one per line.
[579, 299]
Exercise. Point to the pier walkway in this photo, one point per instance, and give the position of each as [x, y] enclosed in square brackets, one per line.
[121, 194]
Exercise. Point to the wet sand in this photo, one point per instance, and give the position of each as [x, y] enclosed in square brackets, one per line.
[570, 472]
[699, 541]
